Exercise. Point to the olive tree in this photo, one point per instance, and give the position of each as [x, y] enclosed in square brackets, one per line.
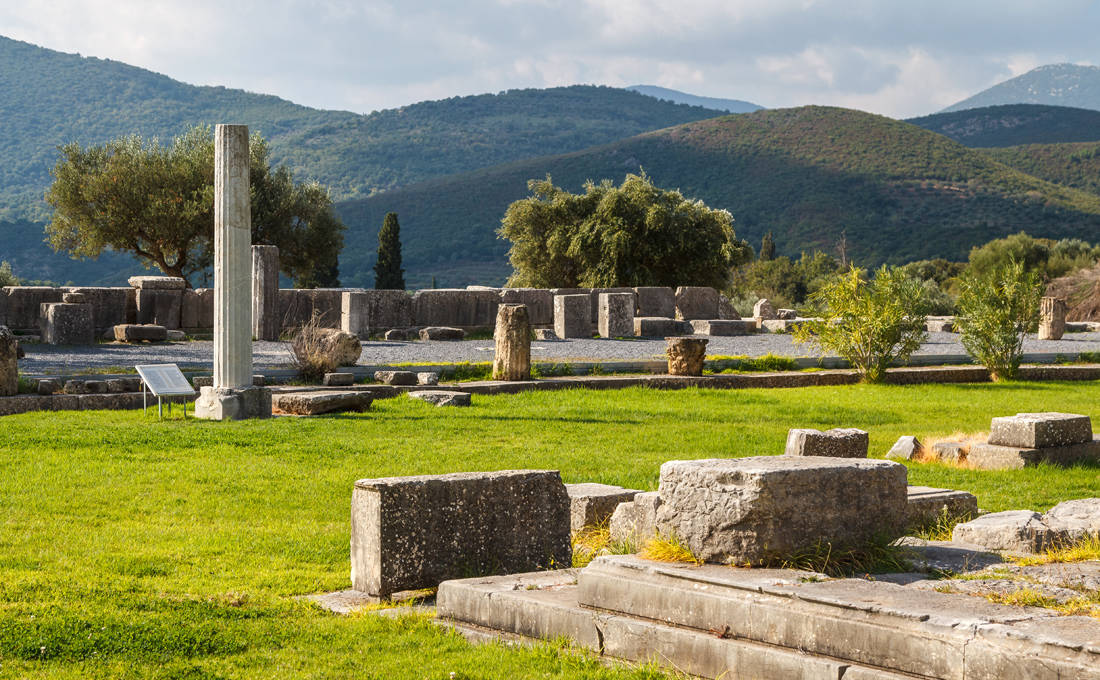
[635, 234]
[871, 323]
[996, 309]
[156, 202]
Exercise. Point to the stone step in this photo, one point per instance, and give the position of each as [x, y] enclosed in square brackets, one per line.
[543, 605]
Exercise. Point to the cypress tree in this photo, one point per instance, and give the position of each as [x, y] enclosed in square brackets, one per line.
[388, 273]
[767, 247]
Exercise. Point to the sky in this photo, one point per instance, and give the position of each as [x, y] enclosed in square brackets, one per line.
[891, 57]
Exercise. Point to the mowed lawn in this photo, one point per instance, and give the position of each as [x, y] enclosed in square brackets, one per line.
[136, 548]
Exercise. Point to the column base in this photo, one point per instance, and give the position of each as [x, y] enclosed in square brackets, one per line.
[227, 403]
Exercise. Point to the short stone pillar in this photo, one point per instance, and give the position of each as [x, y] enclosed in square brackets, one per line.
[686, 355]
[9, 363]
[1052, 318]
[355, 313]
[763, 310]
[616, 315]
[159, 300]
[572, 316]
[232, 396]
[512, 360]
[66, 323]
[266, 323]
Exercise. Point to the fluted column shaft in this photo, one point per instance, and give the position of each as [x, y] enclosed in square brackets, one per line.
[232, 259]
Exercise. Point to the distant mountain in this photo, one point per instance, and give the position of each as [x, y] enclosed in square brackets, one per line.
[807, 174]
[1053, 85]
[1014, 124]
[728, 105]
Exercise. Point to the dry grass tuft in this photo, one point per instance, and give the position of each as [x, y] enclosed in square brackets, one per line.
[967, 439]
[1085, 550]
[668, 548]
[310, 351]
[595, 541]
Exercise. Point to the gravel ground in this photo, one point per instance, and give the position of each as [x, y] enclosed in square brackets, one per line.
[199, 355]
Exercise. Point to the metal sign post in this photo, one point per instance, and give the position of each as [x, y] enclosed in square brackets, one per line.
[164, 380]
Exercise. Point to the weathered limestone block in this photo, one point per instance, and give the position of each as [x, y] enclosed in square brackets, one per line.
[266, 323]
[355, 313]
[545, 334]
[779, 325]
[723, 327]
[338, 379]
[987, 456]
[572, 316]
[427, 378]
[395, 377]
[786, 314]
[1020, 531]
[539, 301]
[442, 397]
[200, 381]
[396, 335]
[512, 357]
[950, 452]
[659, 327]
[345, 347]
[24, 305]
[9, 363]
[176, 336]
[591, 505]
[1040, 430]
[726, 310]
[123, 385]
[197, 309]
[129, 332]
[636, 522]
[455, 307]
[1052, 318]
[48, 386]
[298, 306]
[85, 387]
[616, 315]
[686, 355]
[316, 403]
[655, 301]
[67, 324]
[162, 307]
[939, 324]
[389, 309]
[416, 532]
[749, 510]
[157, 282]
[907, 447]
[840, 442]
[594, 302]
[696, 302]
[233, 403]
[444, 333]
[1074, 520]
[110, 306]
[763, 310]
[927, 504]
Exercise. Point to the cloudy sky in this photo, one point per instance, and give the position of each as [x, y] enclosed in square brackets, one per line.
[887, 56]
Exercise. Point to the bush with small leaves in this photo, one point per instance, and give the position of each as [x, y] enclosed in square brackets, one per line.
[996, 310]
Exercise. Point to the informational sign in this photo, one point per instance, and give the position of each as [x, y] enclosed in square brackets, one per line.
[165, 380]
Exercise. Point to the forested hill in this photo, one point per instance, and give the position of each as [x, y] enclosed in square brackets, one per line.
[49, 98]
[809, 174]
[1014, 124]
[1074, 165]
[1054, 85]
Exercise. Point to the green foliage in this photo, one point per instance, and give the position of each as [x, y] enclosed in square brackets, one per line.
[7, 276]
[388, 273]
[785, 282]
[869, 323]
[1014, 124]
[997, 309]
[635, 234]
[157, 203]
[767, 362]
[767, 247]
[1072, 165]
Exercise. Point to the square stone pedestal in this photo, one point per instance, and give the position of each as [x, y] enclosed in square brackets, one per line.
[223, 403]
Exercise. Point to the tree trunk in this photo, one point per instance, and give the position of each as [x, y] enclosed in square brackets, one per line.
[513, 343]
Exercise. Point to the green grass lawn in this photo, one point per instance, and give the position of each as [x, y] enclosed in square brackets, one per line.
[136, 548]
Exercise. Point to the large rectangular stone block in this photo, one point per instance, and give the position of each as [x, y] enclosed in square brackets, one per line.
[591, 505]
[840, 442]
[659, 327]
[456, 307]
[355, 313]
[110, 306]
[266, 324]
[66, 324]
[539, 301]
[655, 301]
[595, 294]
[297, 306]
[751, 510]
[696, 302]
[615, 318]
[572, 316]
[197, 309]
[1040, 430]
[160, 306]
[724, 327]
[416, 532]
[986, 456]
[24, 305]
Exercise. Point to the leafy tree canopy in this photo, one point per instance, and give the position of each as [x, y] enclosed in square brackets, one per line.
[156, 202]
[635, 234]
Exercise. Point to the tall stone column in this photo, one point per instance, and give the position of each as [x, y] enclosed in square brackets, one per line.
[232, 396]
[265, 293]
[232, 259]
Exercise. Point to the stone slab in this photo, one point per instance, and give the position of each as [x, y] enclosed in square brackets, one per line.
[157, 282]
[222, 403]
[427, 378]
[129, 332]
[591, 505]
[1075, 519]
[442, 333]
[1017, 531]
[442, 397]
[163, 307]
[723, 327]
[987, 456]
[841, 442]
[750, 510]
[696, 302]
[395, 377]
[317, 403]
[1040, 430]
[655, 301]
[338, 379]
[907, 447]
[927, 504]
[416, 532]
[635, 522]
[659, 327]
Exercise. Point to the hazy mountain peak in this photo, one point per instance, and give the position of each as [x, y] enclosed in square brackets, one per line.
[719, 104]
[1073, 85]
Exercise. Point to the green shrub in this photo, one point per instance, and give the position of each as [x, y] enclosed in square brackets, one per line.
[869, 323]
[996, 310]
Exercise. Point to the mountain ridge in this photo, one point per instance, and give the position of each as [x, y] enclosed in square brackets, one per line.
[1073, 85]
[716, 103]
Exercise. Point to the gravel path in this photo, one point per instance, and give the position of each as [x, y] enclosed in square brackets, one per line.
[199, 355]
